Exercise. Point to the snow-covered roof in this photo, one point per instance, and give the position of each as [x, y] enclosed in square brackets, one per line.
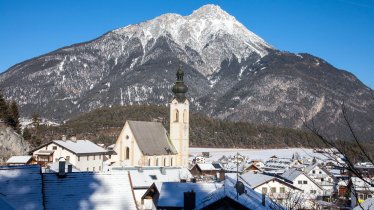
[368, 204]
[144, 177]
[172, 193]
[5, 205]
[291, 174]
[80, 146]
[87, 190]
[19, 159]
[250, 199]
[207, 167]
[21, 186]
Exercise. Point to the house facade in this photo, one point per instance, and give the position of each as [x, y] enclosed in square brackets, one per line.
[82, 154]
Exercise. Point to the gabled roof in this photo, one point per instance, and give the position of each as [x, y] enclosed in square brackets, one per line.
[76, 147]
[291, 174]
[208, 167]
[256, 179]
[80, 146]
[142, 178]
[311, 167]
[172, 193]
[152, 138]
[87, 190]
[21, 186]
[248, 200]
[19, 159]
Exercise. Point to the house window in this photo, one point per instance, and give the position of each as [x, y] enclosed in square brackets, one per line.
[94, 157]
[99, 157]
[176, 115]
[79, 158]
[110, 156]
[54, 147]
[88, 157]
[313, 171]
[127, 153]
[273, 190]
[300, 182]
[282, 190]
[87, 169]
[264, 190]
[153, 177]
[313, 191]
[305, 182]
[185, 120]
[67, 157]
[320, 172]
[93, 168]
[99, 168]
[322, 179]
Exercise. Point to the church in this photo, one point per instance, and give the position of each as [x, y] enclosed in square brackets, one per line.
[143, 143]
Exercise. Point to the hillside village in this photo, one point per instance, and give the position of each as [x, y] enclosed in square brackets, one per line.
[151, 168]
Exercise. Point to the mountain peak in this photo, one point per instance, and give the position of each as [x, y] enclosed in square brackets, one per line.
[211, 11]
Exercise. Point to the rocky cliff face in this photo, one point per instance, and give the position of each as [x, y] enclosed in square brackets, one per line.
[231, 74]
[11, 144]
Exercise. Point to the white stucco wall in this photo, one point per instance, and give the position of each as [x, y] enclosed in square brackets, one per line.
[179, 130]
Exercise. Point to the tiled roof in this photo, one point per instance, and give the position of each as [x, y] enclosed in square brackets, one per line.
[21, 186]
[151, 138]
[86, 190]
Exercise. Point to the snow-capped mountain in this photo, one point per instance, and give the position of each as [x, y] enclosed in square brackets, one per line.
[231, 73]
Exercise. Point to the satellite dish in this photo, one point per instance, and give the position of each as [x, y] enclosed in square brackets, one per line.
[240, 188]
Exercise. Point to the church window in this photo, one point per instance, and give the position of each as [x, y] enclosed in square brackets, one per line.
[149, 161]
[156, 161]
[127, 137]
[164, 161]
[171, 161]
[176, 116]
[185, 116]
[127, 153]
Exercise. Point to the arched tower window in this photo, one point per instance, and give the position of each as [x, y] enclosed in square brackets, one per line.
[185, 116]
[127, 153]
[176, 115]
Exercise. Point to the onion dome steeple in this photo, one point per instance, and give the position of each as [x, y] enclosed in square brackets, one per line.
[179, 88]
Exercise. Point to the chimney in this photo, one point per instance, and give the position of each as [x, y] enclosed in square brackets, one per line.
[221, 175]
[263, 199]
[61, 167]
[70, 168]
[73, 139]
[163, 170]
[189, 200]
[63, 137]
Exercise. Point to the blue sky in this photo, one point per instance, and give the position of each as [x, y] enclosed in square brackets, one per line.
[339, 31]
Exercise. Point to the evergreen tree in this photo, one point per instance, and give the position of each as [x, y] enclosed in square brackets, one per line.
[26, 134]
[35, 120]
[14, 116]
[4, 113]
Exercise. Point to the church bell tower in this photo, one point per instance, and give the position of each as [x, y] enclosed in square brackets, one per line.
[179, 120]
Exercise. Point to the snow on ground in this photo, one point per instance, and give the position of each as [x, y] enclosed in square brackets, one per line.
[256, 154]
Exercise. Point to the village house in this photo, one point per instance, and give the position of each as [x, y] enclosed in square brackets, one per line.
[205, 196]
[274, 187]
[83, 154]
[207, 170]
[148, 143]
[323, 178]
